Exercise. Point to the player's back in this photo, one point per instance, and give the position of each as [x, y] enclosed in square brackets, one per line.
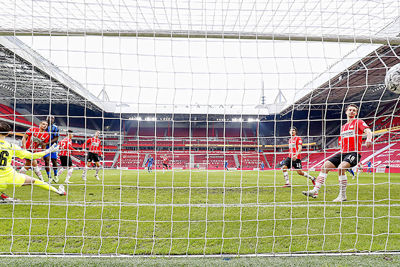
[64, 146]
[94, 145]
[7, 152]
[53, 132]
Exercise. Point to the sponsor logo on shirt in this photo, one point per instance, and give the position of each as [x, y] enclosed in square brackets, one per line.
[348, 133]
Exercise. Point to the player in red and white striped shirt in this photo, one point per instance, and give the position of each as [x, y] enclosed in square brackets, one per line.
[349, 156]
[34, 140]
[65, 156]
[93, 145]
[165, 161]
[293, 160]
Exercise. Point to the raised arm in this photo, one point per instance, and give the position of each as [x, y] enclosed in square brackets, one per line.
[23, 154]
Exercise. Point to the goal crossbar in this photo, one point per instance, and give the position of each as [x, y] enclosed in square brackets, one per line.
[210, 34]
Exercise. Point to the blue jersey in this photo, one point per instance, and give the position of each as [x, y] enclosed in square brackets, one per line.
[150, 161]
[54, 132]
[226, 163]
[369, 164]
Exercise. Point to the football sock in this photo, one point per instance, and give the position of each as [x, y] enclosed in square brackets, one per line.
[38, 173]
[308, 176]
[320, 181]
[60, 171]
[342, 184]
[286, 176]
[69, 174]
[84, 172]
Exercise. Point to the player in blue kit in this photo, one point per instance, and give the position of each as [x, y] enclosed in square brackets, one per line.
[351, 172]
[53, 131]
[149, 163]
[369, 165]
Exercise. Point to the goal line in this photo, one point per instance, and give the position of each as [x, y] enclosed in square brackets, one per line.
[121, 204]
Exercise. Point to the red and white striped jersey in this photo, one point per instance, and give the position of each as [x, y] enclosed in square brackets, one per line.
[93, 145]
[294, 143]
[165, 160]
[66, 147]
[351, 136]
[35, 138]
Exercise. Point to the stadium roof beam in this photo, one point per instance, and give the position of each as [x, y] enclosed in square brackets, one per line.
[342, 74]
[206, 34]
[318, 107]
[361, 82]
[38, 80]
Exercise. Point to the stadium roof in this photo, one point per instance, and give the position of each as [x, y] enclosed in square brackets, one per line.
[361, 83]
[27, 77]
[139, 77]
[353, 81]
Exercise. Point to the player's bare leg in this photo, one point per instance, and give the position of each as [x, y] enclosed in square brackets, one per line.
[60, 171]
[35, 182]
[342, 181]
[36, 170]
[33, 164]
[26, 167]
[286, 176]
[305, 174]
[47, 166]
[320, 179]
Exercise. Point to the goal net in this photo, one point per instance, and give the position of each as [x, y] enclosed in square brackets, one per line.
[180, 116]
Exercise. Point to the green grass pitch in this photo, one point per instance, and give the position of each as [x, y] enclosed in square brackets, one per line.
[237, 212]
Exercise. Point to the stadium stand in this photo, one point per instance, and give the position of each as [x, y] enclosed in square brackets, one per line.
[10, 114]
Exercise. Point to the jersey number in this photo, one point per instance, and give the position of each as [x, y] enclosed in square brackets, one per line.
[3, 158]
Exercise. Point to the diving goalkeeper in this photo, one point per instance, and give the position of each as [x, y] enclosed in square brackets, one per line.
[8, 176]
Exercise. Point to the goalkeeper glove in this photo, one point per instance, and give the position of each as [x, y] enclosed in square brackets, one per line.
[53, 148]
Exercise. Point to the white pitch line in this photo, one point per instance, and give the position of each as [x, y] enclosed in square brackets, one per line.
[165, 256]
[219, 205]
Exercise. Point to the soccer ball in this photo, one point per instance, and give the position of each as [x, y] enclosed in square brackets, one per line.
[392, 79]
